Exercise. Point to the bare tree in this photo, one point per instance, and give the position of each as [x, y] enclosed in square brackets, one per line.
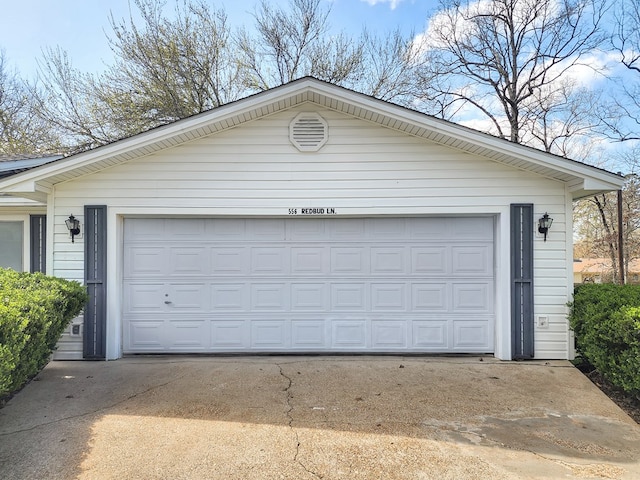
[170, 68]
[296, 42]
[391, 62]
[281, 52]
[165, 69]
[68, 101]
[22, 131]
[338, 59]
[498, 57]
[562, 119]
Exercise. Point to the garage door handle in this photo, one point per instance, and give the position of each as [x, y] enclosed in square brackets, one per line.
[167, 302]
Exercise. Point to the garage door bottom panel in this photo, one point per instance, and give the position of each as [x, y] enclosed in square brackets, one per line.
[343, 334]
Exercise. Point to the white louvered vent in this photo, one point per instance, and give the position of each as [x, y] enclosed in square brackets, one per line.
[308, 132]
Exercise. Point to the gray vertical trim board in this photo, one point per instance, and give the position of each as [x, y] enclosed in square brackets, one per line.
[95, 314]
[522, 321]
[38, 242]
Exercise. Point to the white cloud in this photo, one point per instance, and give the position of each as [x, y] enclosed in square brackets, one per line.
[392, 3]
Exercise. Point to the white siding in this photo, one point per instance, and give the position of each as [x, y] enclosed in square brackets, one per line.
[363, 170]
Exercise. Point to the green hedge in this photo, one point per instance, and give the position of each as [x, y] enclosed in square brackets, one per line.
[606, 321]
[34, 311]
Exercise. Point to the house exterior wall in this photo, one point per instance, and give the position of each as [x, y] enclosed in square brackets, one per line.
[363, 170]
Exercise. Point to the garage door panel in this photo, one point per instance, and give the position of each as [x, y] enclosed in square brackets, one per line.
[187, 336]
[144, 297]
[472, 297]
[433, 335]
[349, 334]
[266, 229]
[230, 297]
[341, 229]
[143, 229]
[308, 334]
[185, 229]
[308, 284]
[430, 260]
[389, 261]
[269, 261]
[430, 297]
[143, 261]
[429, 229]
[269, 297]
[348, 297]
[187, 297]
[473, 229]
[269, 335]
[349, 260]
[309, 297]
[226, 229]
[472, 260]
[141, 336]
[309, 261]
[470, 336]
[190, 261]
[388, 297]
[313, 229]
[229, 261]
[386, 228]
[389, 335]
[230, 334]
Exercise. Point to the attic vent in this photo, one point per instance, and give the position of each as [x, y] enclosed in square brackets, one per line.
[308, 132]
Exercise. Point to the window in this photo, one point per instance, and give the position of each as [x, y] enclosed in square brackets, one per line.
[11, 243]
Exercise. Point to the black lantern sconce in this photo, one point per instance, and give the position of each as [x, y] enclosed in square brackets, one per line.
[73, 225]
[544, 224]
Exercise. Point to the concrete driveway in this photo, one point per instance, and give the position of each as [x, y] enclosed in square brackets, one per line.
[315, 417]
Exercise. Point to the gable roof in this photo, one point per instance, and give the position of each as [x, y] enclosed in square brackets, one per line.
[581, 179]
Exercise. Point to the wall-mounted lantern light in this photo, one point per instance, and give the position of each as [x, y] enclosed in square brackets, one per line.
[544, 224]
[73, 225]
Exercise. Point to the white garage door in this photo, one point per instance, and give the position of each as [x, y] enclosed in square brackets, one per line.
[309, 285]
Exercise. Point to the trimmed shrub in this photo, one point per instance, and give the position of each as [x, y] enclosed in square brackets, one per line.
[34, 311]
[606, 320]
[613, 347]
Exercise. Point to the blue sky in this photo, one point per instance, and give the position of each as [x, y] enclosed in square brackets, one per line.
[79, 26]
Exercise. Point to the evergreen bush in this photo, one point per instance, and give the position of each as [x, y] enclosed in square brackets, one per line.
[606, 321]
[34, 311]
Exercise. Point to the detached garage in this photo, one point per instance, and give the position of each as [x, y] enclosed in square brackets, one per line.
[311, 218]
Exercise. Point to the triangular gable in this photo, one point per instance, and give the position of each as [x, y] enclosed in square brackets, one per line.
[582, 179]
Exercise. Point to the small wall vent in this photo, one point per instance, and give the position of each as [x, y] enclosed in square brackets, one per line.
[308, 132]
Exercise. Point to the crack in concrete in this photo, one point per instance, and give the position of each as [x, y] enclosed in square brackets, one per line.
[289, 414]
[86, 414]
